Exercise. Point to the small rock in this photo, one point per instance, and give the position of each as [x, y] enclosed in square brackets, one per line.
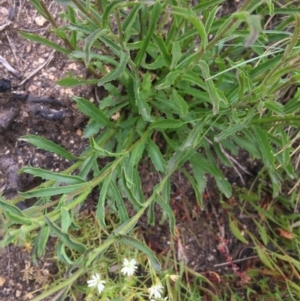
[18, 293]
[79, 132]
[40, 21]
[2, 281]
[41, 60]
[72, 66]
[3, 15]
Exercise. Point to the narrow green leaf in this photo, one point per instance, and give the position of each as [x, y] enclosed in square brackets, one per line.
[92, 111]
[264, 257]
[66, 219]
[195, 20]
[100, 212]
[65, 237]
[137, 153]
[156, 156]
[136, 244]
[63, 257]
[262, 232]
[224, 186]
[129, 21]
[236, 232]
[166, 124]
[71, 82]
[40, 192]
[198, 192]
[119, 202]
[163, 49]
[168, 211]
[41, 241]
[141, 103]
[214, 97]
[176, 54]
[275, 106]
[103, 152]
[211, 18]
[129, 188]
[295, 37]
[14, 213]
[39, 8]
[108, 11]
[169, 80]
[36, 38]
[112, 75]
[49, 175]
[42, 143]
[155, 15]
[264, 146]
[232, 129]
[181, 104]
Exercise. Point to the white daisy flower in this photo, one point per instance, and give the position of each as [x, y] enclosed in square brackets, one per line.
[156, 291]
[96, 282]
[129, 267]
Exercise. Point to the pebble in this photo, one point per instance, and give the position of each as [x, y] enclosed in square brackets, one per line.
[40, 21]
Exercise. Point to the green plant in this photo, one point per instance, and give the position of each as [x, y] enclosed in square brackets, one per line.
[208, 86]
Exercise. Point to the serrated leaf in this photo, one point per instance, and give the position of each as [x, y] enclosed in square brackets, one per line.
[137, 153]
[155, 15]
[128, 186]
[275, 107]
[232, 129]
[181, 104]
[169, 80]
[141, 103]
[160, 43]
[211, 18]
[65, 237]
[50, 191]
[108, 11]
[92, 111]
[66, 219]
[49, 175]
[122, 211]
[195, 20]
[100, 212]
[114, 74]
[264, 146]
[214, 97]
[41, 241]
[156, 156]
[71, 82]
[176, 54]
[236, 232]
[42, 143]
[136, 244]
[14, 214]
[103, 152]
[166, 124]
[36, 38]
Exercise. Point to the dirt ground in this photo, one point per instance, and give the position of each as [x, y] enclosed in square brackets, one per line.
[36, 105]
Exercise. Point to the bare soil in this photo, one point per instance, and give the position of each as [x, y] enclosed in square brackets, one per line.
[35, 104]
